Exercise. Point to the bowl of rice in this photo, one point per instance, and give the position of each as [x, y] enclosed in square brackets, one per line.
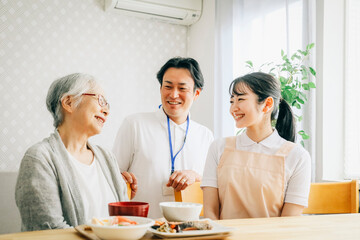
[181, 211]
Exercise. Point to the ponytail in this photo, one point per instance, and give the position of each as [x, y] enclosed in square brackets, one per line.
[285, 124]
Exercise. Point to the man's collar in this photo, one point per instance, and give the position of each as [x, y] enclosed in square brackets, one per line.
[163, 119]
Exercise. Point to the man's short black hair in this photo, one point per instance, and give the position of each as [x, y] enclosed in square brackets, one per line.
[187, 63]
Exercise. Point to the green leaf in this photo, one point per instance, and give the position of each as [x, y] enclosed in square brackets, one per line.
[310, 46]
[282, 79]
[305, 86]
[285, 95]
[301, 52]
[295, 56]
[300, 118]
[282, 52]
[312, 85]
[300, 100]
[302, 143]
[305, 136]
[297, 105]
[304, 73]
[285, 58]
[303, 96]
[249, 63]
[289, 68]
[312, 71]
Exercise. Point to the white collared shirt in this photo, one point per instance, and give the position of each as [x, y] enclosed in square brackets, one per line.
[297, 164]
[142, 147]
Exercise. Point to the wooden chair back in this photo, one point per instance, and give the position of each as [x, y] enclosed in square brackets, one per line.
[192, 194]
[334, 197]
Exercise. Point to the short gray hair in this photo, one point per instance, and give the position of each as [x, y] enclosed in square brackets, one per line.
[71, 85]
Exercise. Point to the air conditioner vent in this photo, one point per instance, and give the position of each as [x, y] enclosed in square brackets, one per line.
[184, 12]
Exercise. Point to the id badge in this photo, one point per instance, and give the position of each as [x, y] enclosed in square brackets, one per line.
[167, 191]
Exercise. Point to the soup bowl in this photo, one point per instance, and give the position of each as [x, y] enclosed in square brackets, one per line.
[139, 209]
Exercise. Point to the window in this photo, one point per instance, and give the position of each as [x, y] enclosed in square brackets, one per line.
[266, 28]
[351, 90]
[257, 30]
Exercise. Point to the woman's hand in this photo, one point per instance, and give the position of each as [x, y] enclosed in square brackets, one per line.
[180, 180]
[130, 178]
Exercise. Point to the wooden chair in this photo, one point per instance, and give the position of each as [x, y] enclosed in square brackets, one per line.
[192, 194]
[335, 197]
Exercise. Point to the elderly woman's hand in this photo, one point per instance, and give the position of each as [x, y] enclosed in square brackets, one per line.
[130, 178]
[180, 180]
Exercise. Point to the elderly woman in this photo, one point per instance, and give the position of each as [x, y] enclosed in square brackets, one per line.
[64, 180]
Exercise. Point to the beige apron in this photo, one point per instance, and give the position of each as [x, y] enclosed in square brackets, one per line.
[251, 185]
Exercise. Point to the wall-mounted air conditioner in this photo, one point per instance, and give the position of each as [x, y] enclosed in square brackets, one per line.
[184, 12]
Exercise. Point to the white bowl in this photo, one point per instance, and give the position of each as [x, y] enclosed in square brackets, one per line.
[123, 232]
[180, 211]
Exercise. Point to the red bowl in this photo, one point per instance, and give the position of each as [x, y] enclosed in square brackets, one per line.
[139, 209]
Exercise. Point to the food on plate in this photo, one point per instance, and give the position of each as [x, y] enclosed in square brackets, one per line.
[114, 221]
[97, 221]
[177, 227]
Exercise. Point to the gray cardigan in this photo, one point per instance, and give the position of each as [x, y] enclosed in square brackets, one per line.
[47, 190]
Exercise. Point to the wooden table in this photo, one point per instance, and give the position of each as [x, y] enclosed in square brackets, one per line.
[340, 226]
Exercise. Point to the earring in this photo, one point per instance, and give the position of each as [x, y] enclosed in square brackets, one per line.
[265, 109]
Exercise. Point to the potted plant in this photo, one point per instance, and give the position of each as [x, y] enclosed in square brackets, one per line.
[295, 78]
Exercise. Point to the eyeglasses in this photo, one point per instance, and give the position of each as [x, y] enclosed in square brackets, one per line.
[102, 101]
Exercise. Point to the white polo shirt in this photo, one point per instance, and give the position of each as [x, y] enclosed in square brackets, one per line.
[297, 164]
[142, 147]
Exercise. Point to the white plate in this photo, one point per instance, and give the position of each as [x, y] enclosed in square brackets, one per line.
[217, 229]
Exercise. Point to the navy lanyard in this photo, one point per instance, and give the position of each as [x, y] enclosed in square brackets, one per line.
[171, 149]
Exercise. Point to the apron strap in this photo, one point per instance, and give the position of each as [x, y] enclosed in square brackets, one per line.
[230, 142]
[285, 149]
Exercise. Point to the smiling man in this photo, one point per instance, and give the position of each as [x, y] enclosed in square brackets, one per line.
[165, 150]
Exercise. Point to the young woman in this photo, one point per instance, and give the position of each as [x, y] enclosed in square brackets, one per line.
[262, 172]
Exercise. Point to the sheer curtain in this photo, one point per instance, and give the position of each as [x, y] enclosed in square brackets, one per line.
[226, 13]
[258, 30]
[352, 86]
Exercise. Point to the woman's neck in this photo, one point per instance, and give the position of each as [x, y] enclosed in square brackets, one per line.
[75, 142]
[259, 132]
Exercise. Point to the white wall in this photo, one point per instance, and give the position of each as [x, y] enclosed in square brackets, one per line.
[201, 46]
[42, 40]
